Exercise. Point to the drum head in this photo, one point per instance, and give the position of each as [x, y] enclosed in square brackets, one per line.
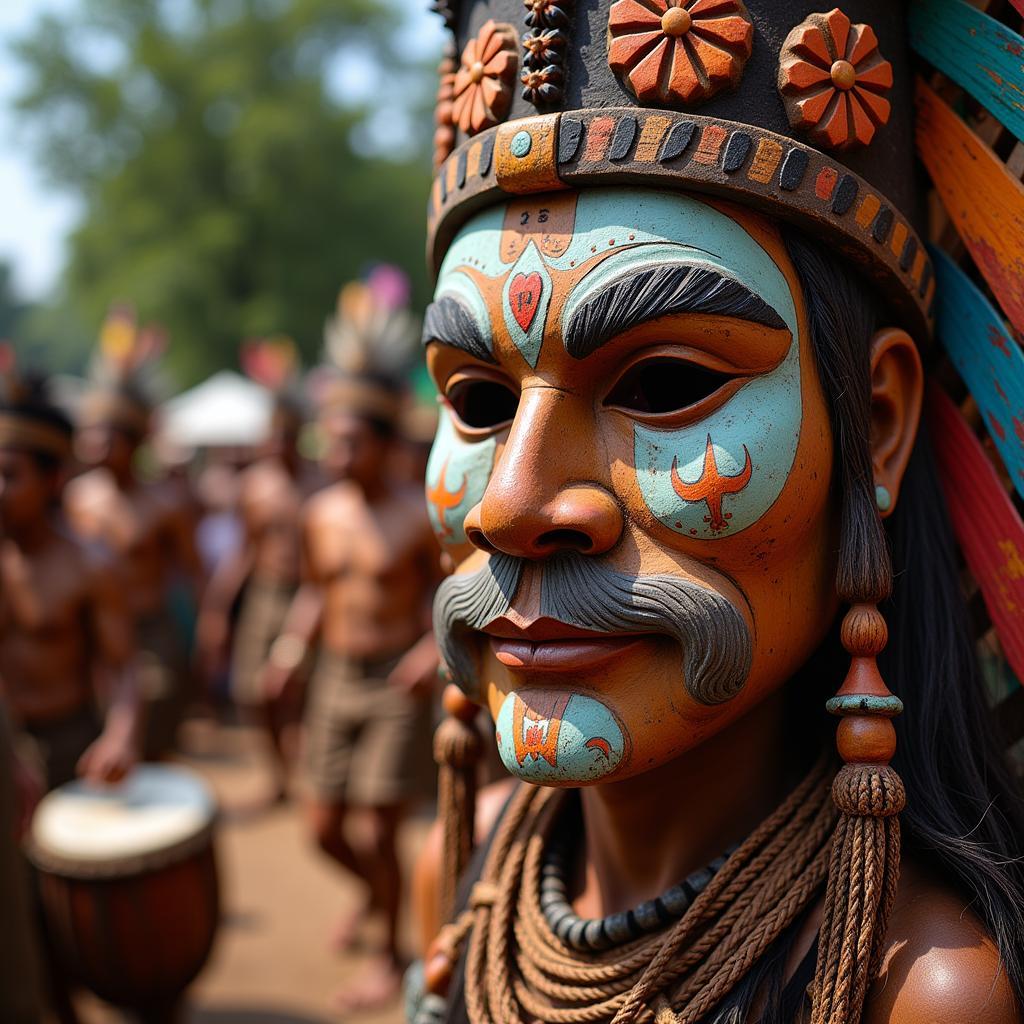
[158, 812]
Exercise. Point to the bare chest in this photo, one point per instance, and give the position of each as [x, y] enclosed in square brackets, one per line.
[42, 596]
[370, 545]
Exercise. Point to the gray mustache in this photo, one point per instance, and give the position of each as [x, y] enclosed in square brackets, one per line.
[717, 648]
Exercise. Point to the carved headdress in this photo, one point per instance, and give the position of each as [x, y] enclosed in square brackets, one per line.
[123, 373]
[815, 116]
[369, 343]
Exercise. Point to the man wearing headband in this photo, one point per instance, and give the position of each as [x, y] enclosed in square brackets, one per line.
[370, 570]
[149, 532]
[66, 660]
[681, 304]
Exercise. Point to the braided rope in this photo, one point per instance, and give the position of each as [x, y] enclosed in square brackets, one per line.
[518, 971]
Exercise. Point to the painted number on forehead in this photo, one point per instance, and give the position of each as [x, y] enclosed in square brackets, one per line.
[549, 224]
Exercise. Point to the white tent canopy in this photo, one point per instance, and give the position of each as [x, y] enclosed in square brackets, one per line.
[225, 410]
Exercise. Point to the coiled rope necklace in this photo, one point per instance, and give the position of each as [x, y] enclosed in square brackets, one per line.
[519, 971]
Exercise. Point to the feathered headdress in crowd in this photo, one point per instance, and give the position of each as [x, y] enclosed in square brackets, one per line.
[273, 362]
[29, 419]
[369, 344]
[123, 372]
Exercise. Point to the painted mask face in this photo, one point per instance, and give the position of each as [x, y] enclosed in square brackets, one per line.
[631, 474]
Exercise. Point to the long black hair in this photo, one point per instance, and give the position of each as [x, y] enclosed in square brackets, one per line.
[964, 816]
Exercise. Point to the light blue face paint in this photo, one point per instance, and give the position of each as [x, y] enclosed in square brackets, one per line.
[714, 478]
[557, 737]
[457, 475]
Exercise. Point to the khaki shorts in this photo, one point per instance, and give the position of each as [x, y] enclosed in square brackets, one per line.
[163, 681]
[367, 743]
[264, 609]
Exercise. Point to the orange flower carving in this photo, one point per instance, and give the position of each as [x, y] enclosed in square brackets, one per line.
[484, 81]
[678, 52]
[833, 81]
[444, 136]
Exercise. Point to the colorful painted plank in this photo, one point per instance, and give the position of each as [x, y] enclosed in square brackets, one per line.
[986, 356]
[987, 525]
[977, 52]
[981, 197]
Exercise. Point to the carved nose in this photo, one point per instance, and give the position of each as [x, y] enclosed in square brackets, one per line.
[580, 517]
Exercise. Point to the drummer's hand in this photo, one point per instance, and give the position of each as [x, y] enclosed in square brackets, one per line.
[28, 790]
[109, 759]
[416, 671]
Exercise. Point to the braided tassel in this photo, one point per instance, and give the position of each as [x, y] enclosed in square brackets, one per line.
[458, 747]
[865, 860]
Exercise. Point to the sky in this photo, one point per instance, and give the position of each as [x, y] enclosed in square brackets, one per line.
[36, 219]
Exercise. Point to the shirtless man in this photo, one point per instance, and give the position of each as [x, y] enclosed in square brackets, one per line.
[266, 565]
[370, 566]
[67, 633]
[149, 534]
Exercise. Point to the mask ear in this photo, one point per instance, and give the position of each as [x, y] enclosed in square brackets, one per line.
[897, 388]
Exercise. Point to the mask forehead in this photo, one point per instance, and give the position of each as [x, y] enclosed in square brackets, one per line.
[593, 237]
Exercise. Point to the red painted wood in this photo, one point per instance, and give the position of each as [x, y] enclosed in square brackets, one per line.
[982, 198]
[989, 529]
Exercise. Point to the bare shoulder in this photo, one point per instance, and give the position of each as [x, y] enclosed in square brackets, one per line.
[328, 502]
[940, 966]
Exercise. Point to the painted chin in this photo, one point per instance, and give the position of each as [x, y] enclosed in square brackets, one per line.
[557, 737]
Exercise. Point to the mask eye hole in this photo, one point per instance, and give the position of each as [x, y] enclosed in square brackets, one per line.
[482, 404]
[660, 386]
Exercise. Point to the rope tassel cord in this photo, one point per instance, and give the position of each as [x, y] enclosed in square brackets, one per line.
[864, 866]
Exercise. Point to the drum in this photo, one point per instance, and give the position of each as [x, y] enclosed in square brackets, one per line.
[128, 885]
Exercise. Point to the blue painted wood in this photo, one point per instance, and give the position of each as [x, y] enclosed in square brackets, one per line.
[988, 358]
[975, 51]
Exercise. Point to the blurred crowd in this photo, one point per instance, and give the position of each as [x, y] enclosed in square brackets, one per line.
[284, 579]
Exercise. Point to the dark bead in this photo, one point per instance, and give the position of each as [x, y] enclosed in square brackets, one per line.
[550, 900]
[698, 881]
[616, 928]
[594, 935]
[565, 925]
[576, 933]
[646, 916]
[556, 918]
[676, 901]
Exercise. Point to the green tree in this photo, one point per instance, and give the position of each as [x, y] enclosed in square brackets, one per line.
[12, 309]
[224, 190]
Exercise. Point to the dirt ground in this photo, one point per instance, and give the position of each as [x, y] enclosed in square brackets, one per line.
[272, 962]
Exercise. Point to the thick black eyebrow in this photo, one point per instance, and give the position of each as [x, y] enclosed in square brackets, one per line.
[448, 321]
[661, 291]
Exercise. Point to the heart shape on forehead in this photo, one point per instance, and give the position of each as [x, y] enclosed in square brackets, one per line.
[524, 298]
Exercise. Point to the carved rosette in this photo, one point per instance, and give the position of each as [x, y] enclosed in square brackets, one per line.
[544, 51]
[678, 53]
[833, 81]
[444, 135]
[543, 77]
[482, 90]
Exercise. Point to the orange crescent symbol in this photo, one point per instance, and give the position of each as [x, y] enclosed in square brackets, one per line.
[600, 744]
[712, 486]
[444, 500]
